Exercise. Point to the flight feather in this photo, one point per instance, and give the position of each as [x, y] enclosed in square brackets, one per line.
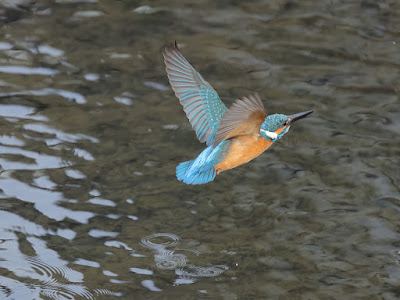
[200, 101]
[244, 117]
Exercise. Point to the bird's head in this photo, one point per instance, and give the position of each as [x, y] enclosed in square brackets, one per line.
[275, 126]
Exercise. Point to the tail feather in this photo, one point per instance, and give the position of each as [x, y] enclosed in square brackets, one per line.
[182, 168]
[186, 174]
[201, 170]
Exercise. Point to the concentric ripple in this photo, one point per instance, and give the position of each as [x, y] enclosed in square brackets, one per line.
[42, 277]
[104, 292]
[170, 240]
[168, 260]
[48, 270]
[54, 289]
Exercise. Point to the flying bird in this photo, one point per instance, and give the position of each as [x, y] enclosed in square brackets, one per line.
[233, 136]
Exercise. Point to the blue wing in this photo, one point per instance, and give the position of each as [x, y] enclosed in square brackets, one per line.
[200, 101]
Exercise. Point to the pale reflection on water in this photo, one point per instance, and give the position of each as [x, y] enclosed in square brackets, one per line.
[69, 95]
[46, 202]
[91, 134]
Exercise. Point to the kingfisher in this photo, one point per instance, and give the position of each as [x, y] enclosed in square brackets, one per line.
[233, 136]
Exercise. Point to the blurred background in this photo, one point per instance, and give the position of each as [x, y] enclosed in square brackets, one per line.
[91, 133]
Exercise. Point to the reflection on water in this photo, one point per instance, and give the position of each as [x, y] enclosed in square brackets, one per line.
[20, 111]
[45, 271]
[91, 134]
[27, 71]
[48, 92]
[36, 161]
[44, 201]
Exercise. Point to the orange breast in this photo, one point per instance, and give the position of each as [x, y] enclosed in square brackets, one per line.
[243, 149]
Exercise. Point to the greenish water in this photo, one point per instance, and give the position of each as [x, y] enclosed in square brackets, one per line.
[91, 134]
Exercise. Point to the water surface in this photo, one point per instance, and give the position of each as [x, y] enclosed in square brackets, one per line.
[91, 134]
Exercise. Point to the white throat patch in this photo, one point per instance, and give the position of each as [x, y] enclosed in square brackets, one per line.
[270, 134]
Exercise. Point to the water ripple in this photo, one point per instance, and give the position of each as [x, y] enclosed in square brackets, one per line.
[172, 240]
[104, 292]
[35, 269]
[168, 259]
[45, 274]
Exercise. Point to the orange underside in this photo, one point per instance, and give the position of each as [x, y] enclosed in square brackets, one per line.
[243, 149]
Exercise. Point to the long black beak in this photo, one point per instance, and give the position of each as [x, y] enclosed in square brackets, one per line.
[298, 116]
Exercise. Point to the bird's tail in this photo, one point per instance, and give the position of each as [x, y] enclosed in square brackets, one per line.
[202, 169]
[189, 175]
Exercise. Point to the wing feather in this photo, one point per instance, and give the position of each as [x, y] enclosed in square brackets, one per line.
[244, 117]
[200, 101]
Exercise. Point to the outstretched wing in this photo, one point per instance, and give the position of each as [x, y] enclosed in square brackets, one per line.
[201, 103]
[244, 117]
